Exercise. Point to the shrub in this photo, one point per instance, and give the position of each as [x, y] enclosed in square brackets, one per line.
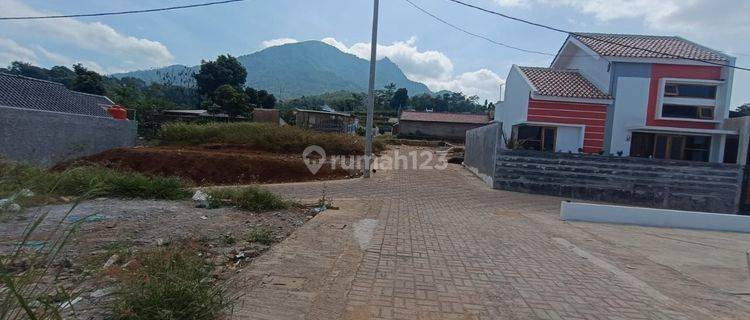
[261, 234]
[251, 198]
[264, 137]
[172, 282]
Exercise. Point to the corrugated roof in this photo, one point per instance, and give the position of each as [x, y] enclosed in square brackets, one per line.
[29, 93]
[444, 117]
[562, 83]
[632, 46]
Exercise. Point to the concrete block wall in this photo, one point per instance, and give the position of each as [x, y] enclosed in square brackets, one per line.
[680, 185]
[45, 138]
[479, 153]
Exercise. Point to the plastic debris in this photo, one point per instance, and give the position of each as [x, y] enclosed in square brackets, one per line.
[201, 199]
[111, 261]
[90, 218]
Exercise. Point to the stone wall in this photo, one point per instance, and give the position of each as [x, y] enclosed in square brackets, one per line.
[681, 185]
[45, 138]
[479, 153]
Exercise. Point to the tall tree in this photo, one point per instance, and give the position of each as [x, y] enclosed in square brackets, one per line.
[213, 74]
[28, 70]
[266, 100]
[231, 101]
[400, 99]
[87, 81]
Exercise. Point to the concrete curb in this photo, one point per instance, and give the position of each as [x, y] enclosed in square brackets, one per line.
[575, 211]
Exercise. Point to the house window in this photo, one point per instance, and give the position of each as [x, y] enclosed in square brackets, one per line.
[687, 112]
[667, 146]
[679, 90]
[536, 138]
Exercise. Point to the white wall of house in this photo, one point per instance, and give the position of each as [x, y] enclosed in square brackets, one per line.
[569, 138]
[630, 110]
[514, 109]
[592, 66]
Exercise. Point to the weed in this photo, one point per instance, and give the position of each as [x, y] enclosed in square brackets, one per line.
[265, 137]
[251, 198]
[172, 282]
[261, 234]
[93, 181]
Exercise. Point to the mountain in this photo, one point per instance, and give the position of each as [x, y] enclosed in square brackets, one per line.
[297, 69]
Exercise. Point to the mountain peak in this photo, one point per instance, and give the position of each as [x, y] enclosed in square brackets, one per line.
[301, 68]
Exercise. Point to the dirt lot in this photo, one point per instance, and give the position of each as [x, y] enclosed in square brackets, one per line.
[116, 229]
[213, 164]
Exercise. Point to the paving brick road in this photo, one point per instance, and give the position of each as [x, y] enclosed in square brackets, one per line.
[448, 247]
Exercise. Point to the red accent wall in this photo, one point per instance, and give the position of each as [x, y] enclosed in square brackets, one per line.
[659, 71]
[593, 116]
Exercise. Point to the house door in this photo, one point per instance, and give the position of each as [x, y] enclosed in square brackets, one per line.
[668, 147]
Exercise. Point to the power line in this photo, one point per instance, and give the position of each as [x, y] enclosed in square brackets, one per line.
[536, 24]
[114, 13]
[474, 34]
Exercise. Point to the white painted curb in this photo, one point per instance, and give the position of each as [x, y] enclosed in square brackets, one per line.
[574, 211]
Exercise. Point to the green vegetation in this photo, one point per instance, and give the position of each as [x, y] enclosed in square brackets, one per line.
[261, 234]
[263, 137]
[252, 198]
[24, 275]
[86, 181]
[172, 282]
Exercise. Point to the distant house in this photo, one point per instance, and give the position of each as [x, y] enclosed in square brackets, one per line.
[42, 122]
[437, 125]
[326, 121]
[271, 116]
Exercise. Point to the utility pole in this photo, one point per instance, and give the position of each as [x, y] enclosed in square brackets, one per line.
[371, 92]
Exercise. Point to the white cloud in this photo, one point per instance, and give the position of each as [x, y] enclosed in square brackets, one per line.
[433, 68]
[94, 36]
[704, 19]
[12, 51]
[277, 42]
[55, 58]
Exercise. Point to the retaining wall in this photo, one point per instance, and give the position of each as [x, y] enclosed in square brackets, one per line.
[479, 153]
[668, 184]
[44, 138]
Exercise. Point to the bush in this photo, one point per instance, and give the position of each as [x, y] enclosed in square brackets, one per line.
[92, 181]
[168, 283]
[253, 199]
[264, 137]
[261, 234]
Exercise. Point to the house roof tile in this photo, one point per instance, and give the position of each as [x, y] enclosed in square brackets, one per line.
[643, 46]
[444, 117]
[29, 93]
[562, 83]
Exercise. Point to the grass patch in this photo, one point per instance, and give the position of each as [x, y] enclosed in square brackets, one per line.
[251, 198]
[90, 181]
[171, 282]
[261, 234]
[265, 137]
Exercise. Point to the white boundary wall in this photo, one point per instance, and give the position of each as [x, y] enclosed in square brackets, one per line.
[575, 211]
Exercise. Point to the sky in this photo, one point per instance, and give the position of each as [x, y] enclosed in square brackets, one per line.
[425, 49]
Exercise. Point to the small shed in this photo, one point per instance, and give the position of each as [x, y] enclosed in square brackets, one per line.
[438, 125]
[326, 121]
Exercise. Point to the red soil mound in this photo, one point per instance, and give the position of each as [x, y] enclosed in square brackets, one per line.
[211, 164]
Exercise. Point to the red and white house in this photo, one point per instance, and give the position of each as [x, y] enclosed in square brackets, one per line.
[628, 95]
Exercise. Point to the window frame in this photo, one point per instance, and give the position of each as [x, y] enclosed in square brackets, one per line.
[665, 98]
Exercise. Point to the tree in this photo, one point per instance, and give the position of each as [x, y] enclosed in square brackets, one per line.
[266, 100]
[87, 81]
[400, 99]
[226, 70]
[744, 109]
[28, 70]
[231, 101]
[62, 75]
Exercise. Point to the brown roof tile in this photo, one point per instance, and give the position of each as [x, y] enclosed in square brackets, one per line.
[444, 117]
[632, 46]
[562, 83]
